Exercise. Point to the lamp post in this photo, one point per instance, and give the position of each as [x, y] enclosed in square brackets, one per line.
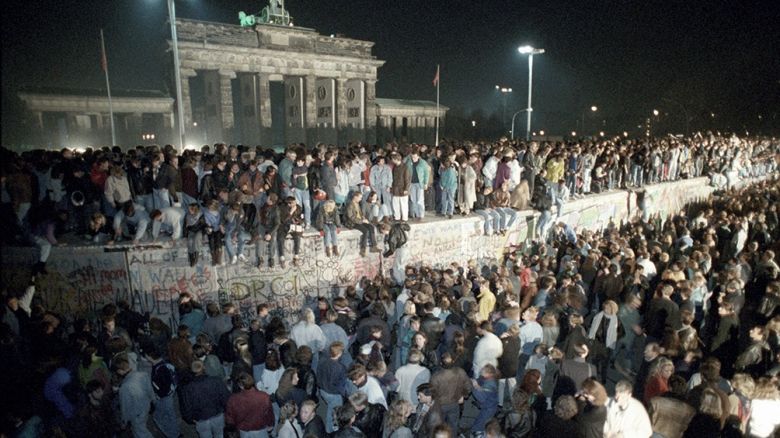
[530, 51]
[505, 91]
[513, 122]
[593, 109]
[685, 113]
[176, 72]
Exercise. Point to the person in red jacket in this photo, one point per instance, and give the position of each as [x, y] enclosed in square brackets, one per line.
[249, 410]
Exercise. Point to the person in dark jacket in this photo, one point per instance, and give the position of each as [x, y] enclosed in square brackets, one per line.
[194, 226]
[353, 218]
[141, 183]
[369, 417]
[396, 237]
[268, 222]
[593, 409]
[258, 347]
[346, 417]
[311, 423]
[203, 401]
[328, 176]
[509, 361]
[402, 181]
[167, 184]
[560, 422]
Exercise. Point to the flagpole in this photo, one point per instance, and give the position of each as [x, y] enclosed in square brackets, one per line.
[438, 81]
[104, 64]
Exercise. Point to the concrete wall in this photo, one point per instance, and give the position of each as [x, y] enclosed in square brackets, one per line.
[151, 277]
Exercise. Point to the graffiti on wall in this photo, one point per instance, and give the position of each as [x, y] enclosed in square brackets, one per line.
[83, 279]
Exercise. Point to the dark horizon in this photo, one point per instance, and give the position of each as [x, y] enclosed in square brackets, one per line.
[626, 59]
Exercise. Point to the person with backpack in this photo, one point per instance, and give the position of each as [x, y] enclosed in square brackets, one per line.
[164, 383]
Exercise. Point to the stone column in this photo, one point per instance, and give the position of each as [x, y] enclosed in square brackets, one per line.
[309, 96]
[186, 100]
[369, 111]
[310, 101]
[370, 104]
[38, 117]
[341, 103]
[226, 98]
[264, 89]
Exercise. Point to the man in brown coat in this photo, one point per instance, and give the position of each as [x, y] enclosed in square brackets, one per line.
[449, 387]
[402, 180]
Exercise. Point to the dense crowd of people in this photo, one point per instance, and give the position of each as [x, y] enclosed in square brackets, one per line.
[234, 196]
[664, 327]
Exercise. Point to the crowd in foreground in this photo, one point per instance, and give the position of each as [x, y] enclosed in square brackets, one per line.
[229, 197]
[665, 328]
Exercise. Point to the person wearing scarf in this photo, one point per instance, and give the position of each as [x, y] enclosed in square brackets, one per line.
[604, 332]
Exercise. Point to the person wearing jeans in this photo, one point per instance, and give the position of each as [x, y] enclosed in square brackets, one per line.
[381, 179]
[420, 178]
[491, 217]
[300, 188]
[354, 219]
[328, 222]
[234, 233]
[202, 401]
[267, 225]
[164, 384]
[499, 200]
[290, 222]
[448, 181]
[332, 380]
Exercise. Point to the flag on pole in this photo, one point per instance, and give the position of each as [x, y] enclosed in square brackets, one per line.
[104, 67]
[436, 78]
[103, 59]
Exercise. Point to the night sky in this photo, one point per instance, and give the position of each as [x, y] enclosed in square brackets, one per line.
[628, 58]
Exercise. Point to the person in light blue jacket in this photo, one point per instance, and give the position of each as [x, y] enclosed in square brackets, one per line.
[381, 179]
[448, 182]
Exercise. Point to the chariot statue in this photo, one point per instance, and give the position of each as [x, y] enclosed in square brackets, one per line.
[274, 13]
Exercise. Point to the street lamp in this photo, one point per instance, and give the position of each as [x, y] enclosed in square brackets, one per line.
[176, 72]
[505, 93]
[655, 112]
[593, 109]
[530, 51]
[512, 131]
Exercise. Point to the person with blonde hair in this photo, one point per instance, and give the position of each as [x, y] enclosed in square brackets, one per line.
[739, 400]
[709, 419]
[328, 222]
[605, 330]
[307, 332]
[670, 413]
[658, 379]
[593, 409]
[395, 420]
[764, 409]
[288, 426]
